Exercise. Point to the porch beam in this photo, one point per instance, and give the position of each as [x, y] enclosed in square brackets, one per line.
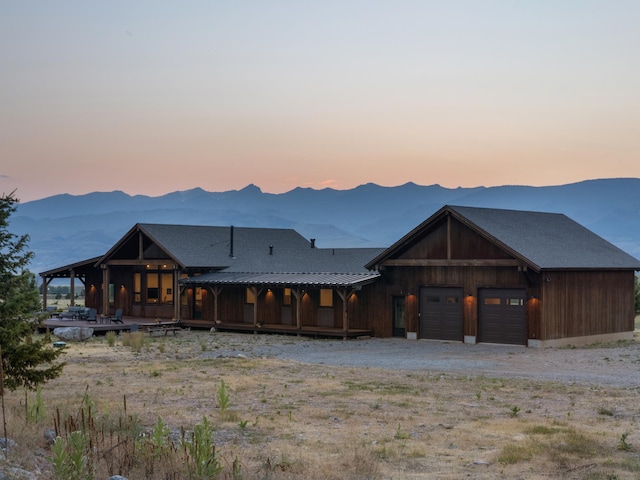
[138, 262]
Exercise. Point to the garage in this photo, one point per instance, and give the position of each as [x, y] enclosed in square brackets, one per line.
[502, 316]
[441, 313]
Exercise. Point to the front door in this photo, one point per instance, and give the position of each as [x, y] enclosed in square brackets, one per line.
[399, 317]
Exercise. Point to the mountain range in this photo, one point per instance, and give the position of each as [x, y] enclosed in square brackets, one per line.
[65, 229]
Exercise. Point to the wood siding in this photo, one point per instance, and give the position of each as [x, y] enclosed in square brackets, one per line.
[401, 281]
[576, 304]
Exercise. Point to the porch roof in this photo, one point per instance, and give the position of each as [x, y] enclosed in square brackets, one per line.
[283, 279]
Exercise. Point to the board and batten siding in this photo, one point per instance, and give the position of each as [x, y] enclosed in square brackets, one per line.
[402, 280]
[576, 303]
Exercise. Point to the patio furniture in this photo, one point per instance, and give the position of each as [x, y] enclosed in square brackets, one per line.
[117, 317]
[92, 317]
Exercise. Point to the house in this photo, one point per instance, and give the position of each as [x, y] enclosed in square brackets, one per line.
[465, 274]
[235, 278]
[506, 276]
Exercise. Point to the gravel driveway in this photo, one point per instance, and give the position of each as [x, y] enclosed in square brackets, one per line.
[615, 365]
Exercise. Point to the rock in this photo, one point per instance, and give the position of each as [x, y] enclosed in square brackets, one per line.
[117, 477]
[73, 334]
[7, 443]
[50, 436]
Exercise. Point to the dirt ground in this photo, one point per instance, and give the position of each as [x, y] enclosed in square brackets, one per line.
[377, 408]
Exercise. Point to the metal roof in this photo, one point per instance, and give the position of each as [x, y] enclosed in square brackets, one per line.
[283, 279]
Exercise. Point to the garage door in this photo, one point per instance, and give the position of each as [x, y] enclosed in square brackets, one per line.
[501, 316]
[441, 313]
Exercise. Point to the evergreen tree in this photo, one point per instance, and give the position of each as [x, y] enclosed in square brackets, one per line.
[26, 361]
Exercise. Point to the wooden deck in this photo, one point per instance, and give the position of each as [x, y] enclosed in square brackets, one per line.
[139, 323]
[293, 330]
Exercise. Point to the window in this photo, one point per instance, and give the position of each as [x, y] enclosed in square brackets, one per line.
[492, 301]
[515, 302]
[286, 297]
[251, 298]
[326, 297]
[453, 300]
[152, 287]
[159, 285]
[137, 287]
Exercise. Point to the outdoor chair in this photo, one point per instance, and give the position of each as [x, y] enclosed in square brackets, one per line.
[117, 318]
[92, 316]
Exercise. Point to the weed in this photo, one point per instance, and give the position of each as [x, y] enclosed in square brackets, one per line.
[37, 410]
[201, 458]
[400, 435]
[514, 411]
[111, 338]
[224, 399]
[623, 444]
[70, 457]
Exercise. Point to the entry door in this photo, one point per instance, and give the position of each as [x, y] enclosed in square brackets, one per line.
[502, 316]
[399, 317]
[441, 313]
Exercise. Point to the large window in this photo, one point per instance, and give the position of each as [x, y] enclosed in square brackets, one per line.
[159, 285]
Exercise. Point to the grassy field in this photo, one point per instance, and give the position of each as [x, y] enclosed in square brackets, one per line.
[284, 419]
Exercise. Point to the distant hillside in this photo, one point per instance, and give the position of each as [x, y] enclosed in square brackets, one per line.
[65, 228]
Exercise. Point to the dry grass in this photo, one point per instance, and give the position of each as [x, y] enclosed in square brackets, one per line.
[294, 420]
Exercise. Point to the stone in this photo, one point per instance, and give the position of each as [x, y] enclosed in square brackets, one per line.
[7, 443]
[117, 477]
[73, 334]
[50, 436]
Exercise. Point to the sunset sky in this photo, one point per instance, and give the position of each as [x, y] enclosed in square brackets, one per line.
[151, 97]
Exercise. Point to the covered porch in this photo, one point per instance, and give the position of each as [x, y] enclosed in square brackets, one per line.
[313, 304]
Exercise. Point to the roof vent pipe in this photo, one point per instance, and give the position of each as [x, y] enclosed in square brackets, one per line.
[231, 241]
[313, 243]
[270, 249]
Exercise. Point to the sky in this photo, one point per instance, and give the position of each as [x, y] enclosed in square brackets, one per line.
[152, 97]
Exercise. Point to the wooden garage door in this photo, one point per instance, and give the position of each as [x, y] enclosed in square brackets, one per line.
[501, 316]
[441, 313]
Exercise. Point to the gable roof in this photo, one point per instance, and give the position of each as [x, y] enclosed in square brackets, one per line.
[241, 255]
[541, 240]
[197, 246]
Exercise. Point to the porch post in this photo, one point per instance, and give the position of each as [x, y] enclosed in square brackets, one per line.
[216, 292]
[256, 293]
[296, 292]
[45, 286]
[105, 290]
[344, 296]
[176, 293]
[72, 287]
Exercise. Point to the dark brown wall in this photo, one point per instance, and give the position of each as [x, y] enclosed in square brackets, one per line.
[402, 280]
[586, 303]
